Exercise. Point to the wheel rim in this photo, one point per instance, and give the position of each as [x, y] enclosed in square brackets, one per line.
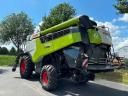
[23, 66]
[44, 77]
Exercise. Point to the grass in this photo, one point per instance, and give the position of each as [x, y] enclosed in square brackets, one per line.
[120, 76]
[6, 60]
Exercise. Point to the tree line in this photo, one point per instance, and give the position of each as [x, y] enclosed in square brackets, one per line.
[5, 51]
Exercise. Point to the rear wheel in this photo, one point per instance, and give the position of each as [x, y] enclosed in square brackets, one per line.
[48, 77]
[26, 67]
[80, 76]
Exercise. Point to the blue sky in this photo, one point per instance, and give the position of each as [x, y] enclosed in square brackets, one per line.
[101, 11]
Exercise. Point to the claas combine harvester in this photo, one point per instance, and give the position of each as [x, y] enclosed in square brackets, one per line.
[74, 49]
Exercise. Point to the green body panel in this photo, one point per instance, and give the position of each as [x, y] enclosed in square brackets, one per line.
[61, 26]
[38, 49]
[44, 49]
[94, 36]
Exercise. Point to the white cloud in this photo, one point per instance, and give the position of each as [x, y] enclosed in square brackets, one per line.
[114, 20]
[114, 29]
[124, 18]
[40, 23]
[91, 18]
[109, 25]
[116, 41]
[123, 42]
[37, 28]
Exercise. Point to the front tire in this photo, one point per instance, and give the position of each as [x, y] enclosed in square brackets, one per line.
[48, 77]
[26, 67]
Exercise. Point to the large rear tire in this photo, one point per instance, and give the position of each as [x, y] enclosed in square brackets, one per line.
[48, 77]
[80, 76]
[26, 67]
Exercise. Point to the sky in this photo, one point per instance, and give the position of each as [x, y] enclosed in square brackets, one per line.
[102, 11]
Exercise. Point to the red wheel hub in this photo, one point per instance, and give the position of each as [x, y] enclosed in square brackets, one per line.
[44, 77]
[23, 66]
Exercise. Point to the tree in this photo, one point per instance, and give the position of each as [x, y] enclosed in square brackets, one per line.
[15, 28]
[4, 51]
[20, 51]
[122, 6]
[12, 51]
[57, 15]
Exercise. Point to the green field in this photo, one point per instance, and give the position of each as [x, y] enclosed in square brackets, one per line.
[6, 60]
[120, 76]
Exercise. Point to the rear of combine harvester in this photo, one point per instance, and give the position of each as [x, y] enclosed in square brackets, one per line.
[73, 49]
[79, 30]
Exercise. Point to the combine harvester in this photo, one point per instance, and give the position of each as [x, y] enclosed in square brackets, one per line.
[73, 49]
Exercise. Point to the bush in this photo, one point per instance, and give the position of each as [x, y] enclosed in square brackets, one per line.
[4, 51]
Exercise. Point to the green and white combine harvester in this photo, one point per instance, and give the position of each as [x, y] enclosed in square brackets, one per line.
[74, 49]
